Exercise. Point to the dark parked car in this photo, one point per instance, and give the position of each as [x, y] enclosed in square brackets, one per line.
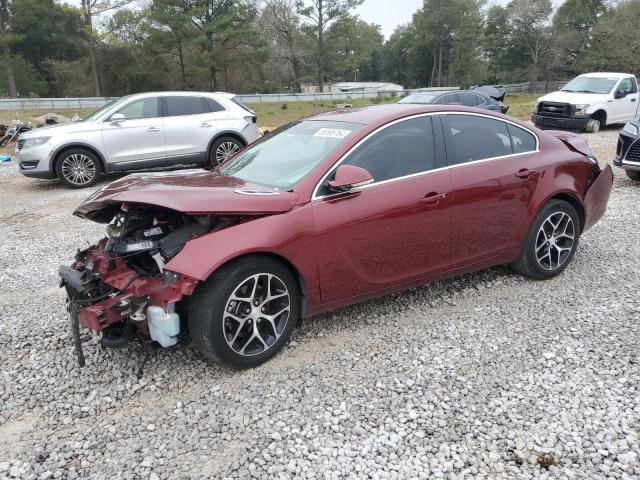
[487, 98]
[328, 211]
[628, 151]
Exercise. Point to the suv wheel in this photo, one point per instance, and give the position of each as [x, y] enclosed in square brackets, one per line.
[244, 314]
[551, 242]
[78, 168]
[593, 126]
[222, 149]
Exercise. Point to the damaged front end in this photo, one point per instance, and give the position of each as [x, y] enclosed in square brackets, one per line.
[121, 288]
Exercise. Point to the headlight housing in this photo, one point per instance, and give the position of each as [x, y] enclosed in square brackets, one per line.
[582, 109]
[35, 142]
[631, 128]
[535, 107]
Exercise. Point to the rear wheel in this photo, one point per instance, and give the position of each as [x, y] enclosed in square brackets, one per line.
[78, 168]
[244, 314]
[633, 174]
[551, 242]
[593, 125]
[222, 149]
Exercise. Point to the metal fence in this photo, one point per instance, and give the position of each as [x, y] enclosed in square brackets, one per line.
[97, 102]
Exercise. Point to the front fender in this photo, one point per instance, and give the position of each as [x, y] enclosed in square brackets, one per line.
[596, 107]
[290, 236]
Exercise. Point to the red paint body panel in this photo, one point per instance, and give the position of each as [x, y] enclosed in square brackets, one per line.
[386, 236]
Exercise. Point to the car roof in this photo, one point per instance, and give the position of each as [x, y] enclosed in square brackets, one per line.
[380, 114]
[180, 93]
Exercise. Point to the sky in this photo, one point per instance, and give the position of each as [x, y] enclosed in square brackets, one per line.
[391, 13]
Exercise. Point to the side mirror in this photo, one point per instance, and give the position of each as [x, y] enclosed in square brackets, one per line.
[348, 177]
[117, 118]
[619, 94]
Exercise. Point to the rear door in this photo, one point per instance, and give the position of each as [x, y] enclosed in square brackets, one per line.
[189, 126]
[395, 230]
[494, 177]
[136, 140]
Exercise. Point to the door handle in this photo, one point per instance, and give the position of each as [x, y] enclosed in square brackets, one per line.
[524, 173]
[153, 129]
[205, 124]
[633, 99]
[433, 198]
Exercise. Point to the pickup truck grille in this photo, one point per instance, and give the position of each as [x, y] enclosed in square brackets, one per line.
[633, 155]
[554, 109]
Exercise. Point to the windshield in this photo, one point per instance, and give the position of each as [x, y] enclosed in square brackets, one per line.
[282, 159]
[418, 98]
[95, 115]
[590, 85]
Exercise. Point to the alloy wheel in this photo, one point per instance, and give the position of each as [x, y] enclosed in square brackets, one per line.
[555, 241]
[256, 314]
[78, 169]
[225, 150]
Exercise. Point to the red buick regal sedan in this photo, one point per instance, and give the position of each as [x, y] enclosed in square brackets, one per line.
[324, 212]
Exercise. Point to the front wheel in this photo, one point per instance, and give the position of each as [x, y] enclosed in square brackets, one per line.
[551, 242]
[243, 315]
[633, 174]
[223, 149]
[78, 168]
[593, 126]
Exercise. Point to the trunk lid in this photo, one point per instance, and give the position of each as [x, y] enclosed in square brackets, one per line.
[190, 192]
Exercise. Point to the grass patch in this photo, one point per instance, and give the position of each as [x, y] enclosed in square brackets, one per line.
[521, 104]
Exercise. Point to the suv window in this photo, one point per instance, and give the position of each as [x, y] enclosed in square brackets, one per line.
[212, 105]
[468, 99]
[401, 149]
[521, 140]
[138, 109]
[472, 137]
[179, 105]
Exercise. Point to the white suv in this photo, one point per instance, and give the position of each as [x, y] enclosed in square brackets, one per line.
[137, 132]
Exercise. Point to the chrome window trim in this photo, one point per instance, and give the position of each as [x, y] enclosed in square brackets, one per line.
[315, 196]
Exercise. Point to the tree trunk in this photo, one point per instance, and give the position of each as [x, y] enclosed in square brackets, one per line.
[440, 66]
[8, 68]
[295, 64]
[94, 66]
[320, 46]
[181, 58]
[6, 50]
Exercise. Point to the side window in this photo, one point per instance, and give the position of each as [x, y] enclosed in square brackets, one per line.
[138, 109]
[401, 149]
[468, 99]
[634, 86]
[626, 85]
[481, 100]
[521, 140]
[212, 105]
[471, 137]
[180, 105]
[449, 99]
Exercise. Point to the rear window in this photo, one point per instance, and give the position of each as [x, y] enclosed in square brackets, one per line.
[521, 140]
[238, 102]
[180, 105]
[213, 105]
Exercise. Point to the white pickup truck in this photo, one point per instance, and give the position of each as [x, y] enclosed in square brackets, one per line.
[588, 102]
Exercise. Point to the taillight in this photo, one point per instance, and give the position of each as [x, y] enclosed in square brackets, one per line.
[251, 119]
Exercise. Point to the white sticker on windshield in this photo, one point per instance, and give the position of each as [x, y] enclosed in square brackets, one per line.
[332, 133]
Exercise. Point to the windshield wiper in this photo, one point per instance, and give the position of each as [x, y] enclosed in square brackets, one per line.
[567, 90]
[585, 91]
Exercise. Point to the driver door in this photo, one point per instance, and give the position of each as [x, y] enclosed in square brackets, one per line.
[393, 231]
[137, 140]
[625, 108]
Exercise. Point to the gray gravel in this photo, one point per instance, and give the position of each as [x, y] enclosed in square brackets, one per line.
[483, 376]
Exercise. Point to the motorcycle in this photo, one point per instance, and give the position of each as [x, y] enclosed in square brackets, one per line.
[16, 128]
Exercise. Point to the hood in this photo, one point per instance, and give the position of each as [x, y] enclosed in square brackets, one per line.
[190, 192]
[59, 129]
[573, 98]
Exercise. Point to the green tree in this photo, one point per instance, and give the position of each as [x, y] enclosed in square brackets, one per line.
[319, 15]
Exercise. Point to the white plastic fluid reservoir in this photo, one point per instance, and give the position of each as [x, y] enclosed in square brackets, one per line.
[163, 327]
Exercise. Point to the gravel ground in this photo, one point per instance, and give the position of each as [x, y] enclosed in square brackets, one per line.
[482, 376]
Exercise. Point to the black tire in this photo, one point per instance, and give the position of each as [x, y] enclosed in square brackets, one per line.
[528, 263]
[91, 168]
[593, 125]
[633, 174]
[211, 332]
[222, 148]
